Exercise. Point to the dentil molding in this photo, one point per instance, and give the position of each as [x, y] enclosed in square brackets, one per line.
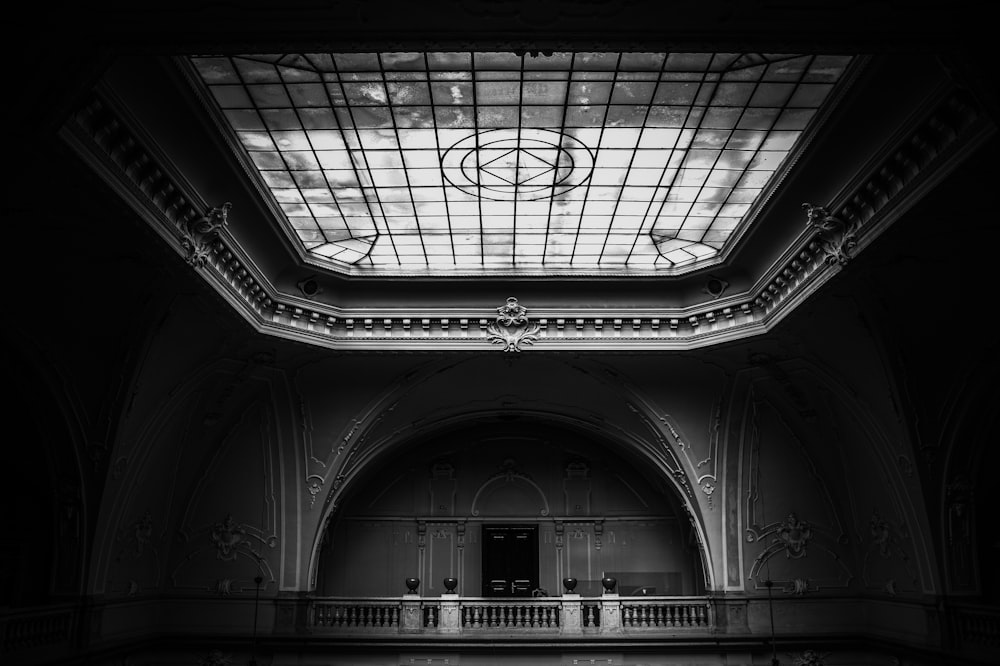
[117, 149]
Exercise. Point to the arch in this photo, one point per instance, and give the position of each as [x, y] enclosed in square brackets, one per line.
[637, 449]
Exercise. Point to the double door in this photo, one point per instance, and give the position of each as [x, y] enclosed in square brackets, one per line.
[510, 560]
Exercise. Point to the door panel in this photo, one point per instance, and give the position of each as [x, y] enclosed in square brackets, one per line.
[510, 560]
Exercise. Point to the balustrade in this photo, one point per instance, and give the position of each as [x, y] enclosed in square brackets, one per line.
[571, 614]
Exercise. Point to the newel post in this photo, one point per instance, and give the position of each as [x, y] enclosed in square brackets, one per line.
[611, 607]
[448, 622]
[570, 608]
[411, 620]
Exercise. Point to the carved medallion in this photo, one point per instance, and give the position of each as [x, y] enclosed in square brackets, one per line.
[511, 328]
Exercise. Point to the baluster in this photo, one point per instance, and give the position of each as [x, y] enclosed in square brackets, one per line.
[465, 616]
[687, 616]
[489, 611]
[351, 613]
[506, 616]
[395, 617]
[522, 612]
[656, 616]
[534, 618]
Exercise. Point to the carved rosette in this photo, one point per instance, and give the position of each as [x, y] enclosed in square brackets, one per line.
[512, 328]
[198, 234]
[834, 237]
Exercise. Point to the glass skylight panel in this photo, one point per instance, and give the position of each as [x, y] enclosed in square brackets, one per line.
[478, 161]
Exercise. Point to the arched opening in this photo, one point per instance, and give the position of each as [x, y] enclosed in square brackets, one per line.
[510, 505]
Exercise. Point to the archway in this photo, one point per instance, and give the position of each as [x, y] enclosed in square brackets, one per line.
[420, 509]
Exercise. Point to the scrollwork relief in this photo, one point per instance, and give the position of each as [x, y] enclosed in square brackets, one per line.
[835, 237]
[230, 540]
[512, 328]
[809, 658]
[314, 484]
[227, 537]
[199, 233]
[216, 658]
[795, 538]
[137, 538]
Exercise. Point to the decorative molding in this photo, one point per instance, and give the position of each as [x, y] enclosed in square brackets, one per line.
[793, 537]
[809, 658]
[511, 328]
[835, 238]
[216, 658]
[137, 539]
[117, 149]
[199, 234]
[227, 537]
[230, 540]
[509, 473]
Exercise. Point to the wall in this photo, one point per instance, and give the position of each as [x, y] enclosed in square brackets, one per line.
[422, 515]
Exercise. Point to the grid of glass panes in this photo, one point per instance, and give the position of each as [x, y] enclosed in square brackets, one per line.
[646, 160]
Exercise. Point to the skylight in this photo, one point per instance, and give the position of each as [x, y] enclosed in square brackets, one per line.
[477, 163]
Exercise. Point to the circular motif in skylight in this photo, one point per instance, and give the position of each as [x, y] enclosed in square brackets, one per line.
[517, 164]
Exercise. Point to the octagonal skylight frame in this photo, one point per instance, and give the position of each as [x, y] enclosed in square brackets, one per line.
[366, 184]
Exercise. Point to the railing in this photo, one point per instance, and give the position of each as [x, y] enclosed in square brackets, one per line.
[656, 613]
[569, 614]
[35, 628]
[516, 614]
[976, 628]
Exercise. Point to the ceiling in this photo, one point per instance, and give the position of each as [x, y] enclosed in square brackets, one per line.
[494, 179]
[481, 163]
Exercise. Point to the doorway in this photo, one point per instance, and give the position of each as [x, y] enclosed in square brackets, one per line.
[510, 560]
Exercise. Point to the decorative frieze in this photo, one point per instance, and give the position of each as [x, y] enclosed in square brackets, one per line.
[835, 232]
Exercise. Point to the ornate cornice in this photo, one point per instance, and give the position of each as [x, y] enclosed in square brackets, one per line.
[115, 147]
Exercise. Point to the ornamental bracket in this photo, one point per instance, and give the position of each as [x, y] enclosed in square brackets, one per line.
[198, 234]
[834, 237]
[511, 328]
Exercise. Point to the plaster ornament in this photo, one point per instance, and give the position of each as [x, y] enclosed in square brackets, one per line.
[198, 234]
[224, 587]
[227, 536]
[835, 237]
[216, 658]
[880, 534]
[810, 658]
[793, 536]
[138, 538]
[511, 328]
